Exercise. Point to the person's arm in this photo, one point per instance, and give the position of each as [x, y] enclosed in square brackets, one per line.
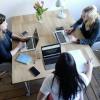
[14, 51]
[78, 22]
[90, 69]
[74, 26]
[40, 96]
[19, 38]
[45, 88]
[7, 54]
[86, 76]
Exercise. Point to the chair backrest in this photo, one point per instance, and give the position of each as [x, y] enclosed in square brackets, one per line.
[49, 97]
[96, 46]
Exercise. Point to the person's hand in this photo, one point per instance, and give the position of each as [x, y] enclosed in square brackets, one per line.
[24, 39]
[69, 31]
[21, 45]
[89, 64]
[18, 47]
[72, 38]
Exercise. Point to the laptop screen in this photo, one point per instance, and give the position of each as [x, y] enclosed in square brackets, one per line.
[51, 50]
[35, 38]
[29, 43]
[50, 55]
[32, 42]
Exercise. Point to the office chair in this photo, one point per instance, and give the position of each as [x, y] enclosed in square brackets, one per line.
[5, 69]
[3, 74]
[96, 49]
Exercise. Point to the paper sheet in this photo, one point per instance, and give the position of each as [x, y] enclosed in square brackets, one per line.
[79, 59]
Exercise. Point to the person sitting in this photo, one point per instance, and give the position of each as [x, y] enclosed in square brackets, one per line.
[6, 51]
[65, 83]
[90, 21]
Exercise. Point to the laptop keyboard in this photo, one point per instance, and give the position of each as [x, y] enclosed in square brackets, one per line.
[60, 37]
[51, 60]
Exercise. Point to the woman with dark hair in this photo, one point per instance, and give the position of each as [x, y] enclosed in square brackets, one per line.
[6, 51]
[66, 83]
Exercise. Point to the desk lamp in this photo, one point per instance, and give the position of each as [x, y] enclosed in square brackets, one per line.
[61, 13]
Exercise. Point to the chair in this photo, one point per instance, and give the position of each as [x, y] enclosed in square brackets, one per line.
[49, 97]
[5, 69]
[96, 48]
[3, 74]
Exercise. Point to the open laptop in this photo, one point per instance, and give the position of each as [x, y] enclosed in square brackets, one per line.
[32, 42]
[50, 54]
[61, 36]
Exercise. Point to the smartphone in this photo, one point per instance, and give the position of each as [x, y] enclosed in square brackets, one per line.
[24, 33]
[34, 71]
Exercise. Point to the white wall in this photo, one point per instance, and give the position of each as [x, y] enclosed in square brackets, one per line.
[22, 7]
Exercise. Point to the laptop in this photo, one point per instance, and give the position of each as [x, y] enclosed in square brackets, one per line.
[61, 36]
[50, 54]
[32, 42]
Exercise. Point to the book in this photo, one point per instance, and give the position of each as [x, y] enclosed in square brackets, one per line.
[24, 58]
[80, 60]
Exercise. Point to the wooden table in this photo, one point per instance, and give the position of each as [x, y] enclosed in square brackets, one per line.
[45, 30]
[20, 72]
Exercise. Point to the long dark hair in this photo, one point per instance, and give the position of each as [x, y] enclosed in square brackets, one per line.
[66, 74]
[2, 18]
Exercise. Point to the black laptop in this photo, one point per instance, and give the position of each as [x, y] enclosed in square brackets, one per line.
[50, 54]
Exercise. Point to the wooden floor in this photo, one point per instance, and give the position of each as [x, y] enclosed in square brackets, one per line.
[17, 91]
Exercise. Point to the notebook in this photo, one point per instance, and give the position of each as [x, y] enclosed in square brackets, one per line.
[50, 54]
[32, 42]
[79, 59]
[61, 36]
[24, 58]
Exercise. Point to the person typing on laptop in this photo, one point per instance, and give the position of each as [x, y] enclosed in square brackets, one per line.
[6, 41]
[90, 21]
[32, 42]
[6, 51]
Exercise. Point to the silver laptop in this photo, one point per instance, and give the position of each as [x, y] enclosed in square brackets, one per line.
[32, 42]
[50, 54]
[62, 37]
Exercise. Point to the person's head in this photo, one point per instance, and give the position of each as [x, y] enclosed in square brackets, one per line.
[66, 66]
[68, 77]
[3, 23]
[90, 14]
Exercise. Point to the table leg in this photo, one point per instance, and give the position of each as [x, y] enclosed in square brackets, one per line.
[27, 85]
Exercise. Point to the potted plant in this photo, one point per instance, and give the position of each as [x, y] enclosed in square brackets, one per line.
[38, 6]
